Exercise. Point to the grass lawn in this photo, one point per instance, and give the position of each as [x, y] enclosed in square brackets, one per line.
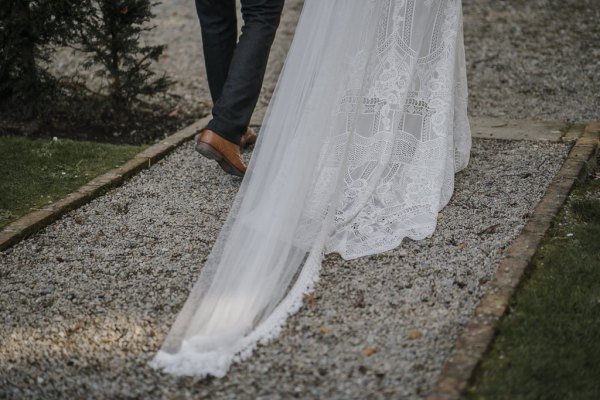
[548, 346]
[36, 172]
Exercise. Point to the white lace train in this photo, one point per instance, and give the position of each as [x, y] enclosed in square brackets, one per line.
[359, 149]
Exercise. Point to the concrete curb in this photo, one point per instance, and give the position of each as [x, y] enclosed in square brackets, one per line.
[39, 219]
[479, 333]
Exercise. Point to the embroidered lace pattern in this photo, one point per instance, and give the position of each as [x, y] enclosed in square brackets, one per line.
[402, 132]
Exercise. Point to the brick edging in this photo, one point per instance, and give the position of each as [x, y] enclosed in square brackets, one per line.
[479, 332]
[39, 219]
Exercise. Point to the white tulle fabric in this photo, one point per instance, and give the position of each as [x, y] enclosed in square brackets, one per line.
[359, 149]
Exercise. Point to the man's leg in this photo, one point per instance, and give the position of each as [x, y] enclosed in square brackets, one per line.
[218, 22]
[234, 108]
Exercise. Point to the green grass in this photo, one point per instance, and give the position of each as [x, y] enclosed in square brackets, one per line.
[34, 173]
[548, 346]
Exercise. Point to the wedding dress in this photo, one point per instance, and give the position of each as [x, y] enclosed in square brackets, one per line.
[359, 148]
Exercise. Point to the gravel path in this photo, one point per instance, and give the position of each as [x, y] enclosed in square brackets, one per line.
[86, 303]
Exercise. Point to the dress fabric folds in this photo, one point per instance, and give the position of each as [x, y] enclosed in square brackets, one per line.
[359, 148]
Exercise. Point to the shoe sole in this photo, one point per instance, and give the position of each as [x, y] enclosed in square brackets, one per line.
[212, 154]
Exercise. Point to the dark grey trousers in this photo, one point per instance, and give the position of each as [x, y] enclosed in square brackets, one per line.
[235, 69]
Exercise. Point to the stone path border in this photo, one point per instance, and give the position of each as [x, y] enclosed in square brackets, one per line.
[480, 331]
[39, 219]
[506, 129]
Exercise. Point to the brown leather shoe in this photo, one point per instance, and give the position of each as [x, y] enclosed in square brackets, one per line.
[224, 152]
[248, 139]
